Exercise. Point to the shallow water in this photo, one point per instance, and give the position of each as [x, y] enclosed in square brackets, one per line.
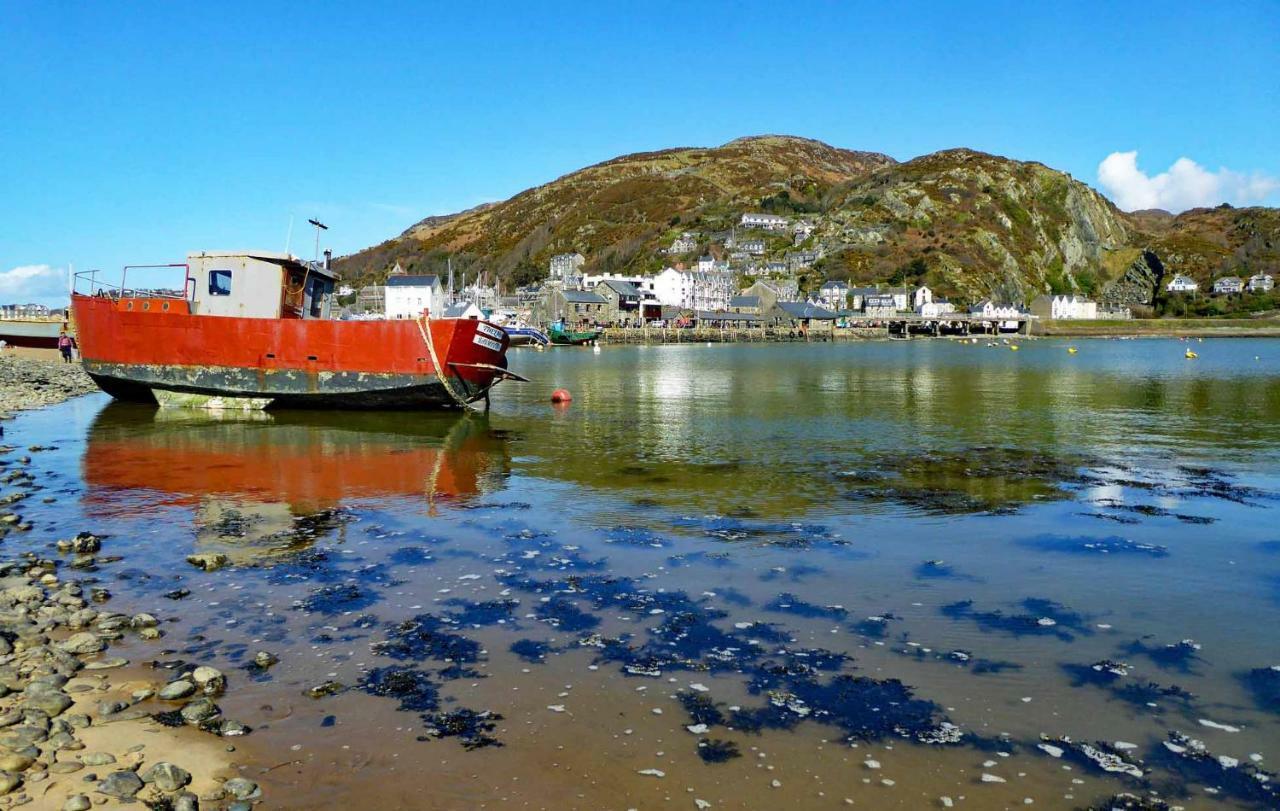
[790, 528]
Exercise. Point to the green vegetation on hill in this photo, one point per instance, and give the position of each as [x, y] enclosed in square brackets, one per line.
[969, 224]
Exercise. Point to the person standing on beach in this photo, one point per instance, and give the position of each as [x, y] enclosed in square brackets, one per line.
[65, 344]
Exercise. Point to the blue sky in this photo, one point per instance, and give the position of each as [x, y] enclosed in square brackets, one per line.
[136, 132]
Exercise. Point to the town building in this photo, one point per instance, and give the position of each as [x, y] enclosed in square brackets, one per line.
[623, 300]
[990, 310]
[769, 222]
[803, 313]
[372, 300]
[935, 308]
[1182, 284]
[1228, 285]
[1261, 283]
[464, 309]
[25, 311]
[685, 243]
[834, 294]
[799, 260]
[1064, 307]
[409, 296]
[694, 290]
[752, 247]
[922, 296]
[566, 270]
[576, 307]
[749, 305]
[771, 291]
[879, 304]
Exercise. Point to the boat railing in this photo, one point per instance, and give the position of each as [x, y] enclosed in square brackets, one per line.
[87, 282]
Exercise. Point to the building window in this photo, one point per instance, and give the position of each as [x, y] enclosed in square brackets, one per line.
[219, 282]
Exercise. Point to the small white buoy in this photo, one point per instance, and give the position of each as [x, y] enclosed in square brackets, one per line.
[596, 349]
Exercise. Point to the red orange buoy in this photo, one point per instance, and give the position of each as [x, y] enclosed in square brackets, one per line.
[561, 396]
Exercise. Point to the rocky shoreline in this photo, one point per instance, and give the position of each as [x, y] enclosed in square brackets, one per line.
[82, 728]
[27, 383]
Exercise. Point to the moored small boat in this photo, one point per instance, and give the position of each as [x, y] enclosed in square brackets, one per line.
[522, 334]
[252, 330]
[561, 335]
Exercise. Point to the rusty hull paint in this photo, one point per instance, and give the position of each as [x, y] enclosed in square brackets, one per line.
[132, 345]
[287, 388]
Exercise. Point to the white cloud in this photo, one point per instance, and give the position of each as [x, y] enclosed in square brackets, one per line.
[42, 284]
[1185, 185]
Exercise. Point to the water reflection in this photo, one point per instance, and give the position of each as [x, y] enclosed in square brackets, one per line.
[274, 481]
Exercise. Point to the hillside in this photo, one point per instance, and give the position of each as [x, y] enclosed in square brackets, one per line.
[969, 224]
[616, 212]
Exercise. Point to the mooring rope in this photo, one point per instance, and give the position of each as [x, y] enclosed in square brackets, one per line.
[424, 328]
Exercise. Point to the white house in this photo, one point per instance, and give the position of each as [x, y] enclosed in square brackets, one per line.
[990, 310]
[1261, 283]
[1182, 284]
[754, 247]
[834, 294]
[1228, 285]
[407, 296]
[694, 290]
[769, 222]
[464, 309]
[922, 296]
[935, 308]
[1062, 306]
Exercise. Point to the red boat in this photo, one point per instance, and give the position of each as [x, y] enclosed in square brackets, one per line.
[253, 330]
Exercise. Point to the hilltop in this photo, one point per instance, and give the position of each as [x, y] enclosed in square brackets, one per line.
[968, 223]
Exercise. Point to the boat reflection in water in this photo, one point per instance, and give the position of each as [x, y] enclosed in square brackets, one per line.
[264, 483]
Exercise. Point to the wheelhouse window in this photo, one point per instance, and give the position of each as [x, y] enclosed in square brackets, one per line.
[219, 282]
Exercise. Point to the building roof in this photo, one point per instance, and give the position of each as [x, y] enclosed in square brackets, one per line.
[460, 309]
[430, 280]
[620, 287]
[582, 297]
[803, 309]
[705, 315]
[744, 301]
[835, 284]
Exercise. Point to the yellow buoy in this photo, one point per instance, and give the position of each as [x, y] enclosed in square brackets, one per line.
[1190, 355]
[1014, 347]
[1071, 350]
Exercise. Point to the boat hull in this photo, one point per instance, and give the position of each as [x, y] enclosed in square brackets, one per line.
[142, 350]
[37, 334]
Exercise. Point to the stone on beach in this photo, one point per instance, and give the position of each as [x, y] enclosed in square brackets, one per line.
[83, 642]
[121, 784]
[176, 690]
[166, 776]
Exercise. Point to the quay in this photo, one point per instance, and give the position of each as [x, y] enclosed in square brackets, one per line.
[731, 328]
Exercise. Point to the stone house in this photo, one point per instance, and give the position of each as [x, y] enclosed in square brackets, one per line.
[622, 300]
[576, 307]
